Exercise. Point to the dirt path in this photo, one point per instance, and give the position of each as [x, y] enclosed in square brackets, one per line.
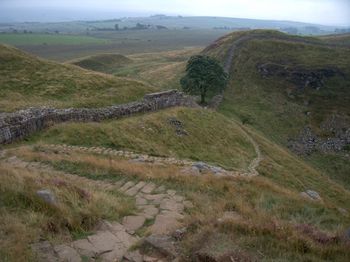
[112, 241]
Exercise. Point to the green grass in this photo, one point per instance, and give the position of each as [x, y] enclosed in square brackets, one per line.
[127, 43]
[161, 69]
[28, 81]
[48, 39]
[341, 39]
[264, 103]
[104, 63]
[211, 137]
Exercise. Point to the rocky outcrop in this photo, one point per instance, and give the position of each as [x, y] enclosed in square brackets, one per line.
[335, 137]
[302, 78]
[17, 125]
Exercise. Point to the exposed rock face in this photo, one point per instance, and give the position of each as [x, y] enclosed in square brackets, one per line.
[300, 77]
[178, 125]
[17, 125]
[337, 138]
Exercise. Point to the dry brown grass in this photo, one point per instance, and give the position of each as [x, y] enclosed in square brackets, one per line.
[271, 214]
[25, 218]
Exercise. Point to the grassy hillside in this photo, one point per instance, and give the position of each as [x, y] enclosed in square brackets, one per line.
[27, 81]
[105, 63]
[161, 69]
[271, 222]
[341, 39]
[204, 135]
[280, 103]
[274, 222]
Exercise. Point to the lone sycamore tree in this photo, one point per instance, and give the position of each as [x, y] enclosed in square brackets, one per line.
[203, 74]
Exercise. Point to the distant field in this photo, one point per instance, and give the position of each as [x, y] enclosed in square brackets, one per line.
[46, 39]
[161, 69]
[63, 48]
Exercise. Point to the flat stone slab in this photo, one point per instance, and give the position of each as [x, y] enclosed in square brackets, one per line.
[85, 248]
[147, 189]
[172, 205]
[178, 198]
[154, 197]
[171, 192]
[103, 241]
[164, 244]
[174, 214]
[133, 223]
[115, 255]
[149, 211]
[134, 256]
[67, 253]
[160, 189]
[140, 201]
[164, 224]
[133, 190]
[126, 186]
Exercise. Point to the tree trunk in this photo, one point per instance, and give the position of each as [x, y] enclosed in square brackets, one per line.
[203, 93]
[202, 98]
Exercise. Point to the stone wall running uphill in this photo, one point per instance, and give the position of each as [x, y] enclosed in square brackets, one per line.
[18, 125]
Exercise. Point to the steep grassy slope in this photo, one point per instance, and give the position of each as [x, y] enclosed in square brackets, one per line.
[28, 81]
[281, 84]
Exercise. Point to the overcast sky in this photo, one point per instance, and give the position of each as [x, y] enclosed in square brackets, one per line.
[328, 12]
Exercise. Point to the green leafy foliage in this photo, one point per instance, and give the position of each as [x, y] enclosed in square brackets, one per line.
[203, 74]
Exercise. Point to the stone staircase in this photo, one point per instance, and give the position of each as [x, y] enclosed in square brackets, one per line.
[162, 208]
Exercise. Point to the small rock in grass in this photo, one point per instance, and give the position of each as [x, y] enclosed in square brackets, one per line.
[133, 223]
[313, 195]
[47, 196]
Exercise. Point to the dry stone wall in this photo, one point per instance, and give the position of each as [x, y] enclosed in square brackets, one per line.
[17, 125]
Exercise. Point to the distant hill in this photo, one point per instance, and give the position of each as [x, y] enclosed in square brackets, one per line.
[293, 89]
[105, 63]
[26, 80]
[172, 22]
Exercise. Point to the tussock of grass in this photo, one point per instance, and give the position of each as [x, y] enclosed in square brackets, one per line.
[28, 81]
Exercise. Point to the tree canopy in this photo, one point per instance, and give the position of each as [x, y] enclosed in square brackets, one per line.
[203, 74]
